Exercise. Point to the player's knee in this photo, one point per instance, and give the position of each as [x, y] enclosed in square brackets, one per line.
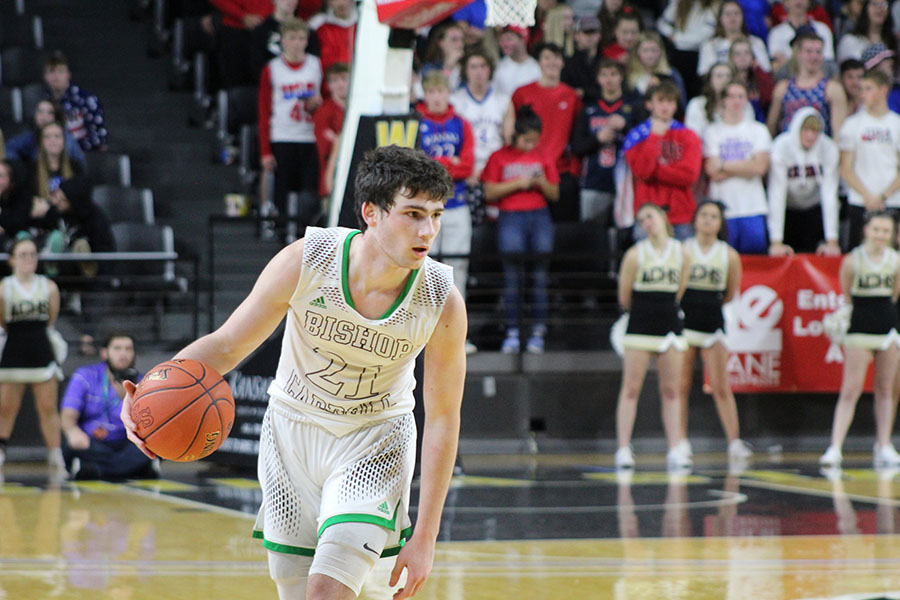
[347, 553]
[289, 572]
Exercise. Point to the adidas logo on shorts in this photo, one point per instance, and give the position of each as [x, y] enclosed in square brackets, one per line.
[384, 508]
[319, 302]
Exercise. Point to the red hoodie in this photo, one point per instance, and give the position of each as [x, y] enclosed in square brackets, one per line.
[234, 11]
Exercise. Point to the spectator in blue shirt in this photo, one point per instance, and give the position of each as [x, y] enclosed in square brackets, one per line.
[24, 148]
[94, 444]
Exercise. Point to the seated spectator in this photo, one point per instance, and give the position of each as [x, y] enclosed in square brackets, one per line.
[810, 87]
[53, 164]
[328, 120]
[803, 189]
[878, 57]
[736, 158]
[609, 13]
[85, 119]
[554, 102]
[94, 441]
[597, 137]
[444, 53]
[875, 26]
[648, 58]
[707, 108]
[517, 68]
[577, 73]
[815, 10]
[336, 31]
[781, 36]
[24, 147]
[870, 165]
[687, 24]
[448, 139]
[15, 205]
[665, 159]
[289, 94]
[265, 39]
[759, 83]
[848, 15]
[522, 180]
[851, 77]
[730, 27]
[625, 37]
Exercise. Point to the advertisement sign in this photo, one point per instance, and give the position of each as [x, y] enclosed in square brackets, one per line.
[776, 338]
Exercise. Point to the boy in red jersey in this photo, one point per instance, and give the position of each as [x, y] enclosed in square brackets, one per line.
[665, 158]
[329, 120]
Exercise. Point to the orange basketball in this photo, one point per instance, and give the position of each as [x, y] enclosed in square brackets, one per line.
[183, 409]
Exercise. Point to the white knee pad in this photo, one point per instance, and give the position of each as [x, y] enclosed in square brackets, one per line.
[346, 552]
[289, 572]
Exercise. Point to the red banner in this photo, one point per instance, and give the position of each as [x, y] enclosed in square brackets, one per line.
[775, 332]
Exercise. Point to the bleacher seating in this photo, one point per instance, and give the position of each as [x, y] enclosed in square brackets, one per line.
[31, 95]
[109, 168]
[10, 109]
[125, 204]
[20, 65]
[21, 30]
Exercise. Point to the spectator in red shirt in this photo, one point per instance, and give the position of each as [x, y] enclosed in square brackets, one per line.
[558, 104]
[328, 121]
[239, 19]
[665, 159]
[522, 179]
[336, 31]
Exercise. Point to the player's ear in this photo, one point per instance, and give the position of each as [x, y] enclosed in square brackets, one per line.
[369, 213]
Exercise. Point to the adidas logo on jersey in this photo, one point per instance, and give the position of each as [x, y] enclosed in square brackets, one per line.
[384, 508]
[319, 302]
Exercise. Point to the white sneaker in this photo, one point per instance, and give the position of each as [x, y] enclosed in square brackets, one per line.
[624, 458]
[470, 347]
[739, 450]
[686, 448]
[885, 456]
[678, 458]
[75, 468]
[55, 459]
[511, 344]
[831, 458]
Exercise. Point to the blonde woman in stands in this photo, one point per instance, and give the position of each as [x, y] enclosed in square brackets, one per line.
[870, 280]
[730, 26]
[714, 278]
[53, 164]
[648, 58]
[652, 279]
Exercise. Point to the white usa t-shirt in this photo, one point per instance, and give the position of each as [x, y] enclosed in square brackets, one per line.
[485, 117]
[742, 196]
[875, 142]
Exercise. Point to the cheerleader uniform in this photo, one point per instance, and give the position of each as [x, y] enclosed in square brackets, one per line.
[874, 322]
[704, 324]
[655, 321]
[27, 354]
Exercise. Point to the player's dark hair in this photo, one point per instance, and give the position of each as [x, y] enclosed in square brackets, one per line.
[391, 170]
[851, 64]
[116, 334]
[526, 121]
[723, 229]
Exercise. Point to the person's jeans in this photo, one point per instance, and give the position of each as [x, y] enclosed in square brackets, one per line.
[520, 232]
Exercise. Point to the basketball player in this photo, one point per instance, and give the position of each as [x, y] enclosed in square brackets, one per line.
[338, 441]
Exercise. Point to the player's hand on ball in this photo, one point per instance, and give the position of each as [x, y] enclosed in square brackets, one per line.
[418, 560]
[130, 426]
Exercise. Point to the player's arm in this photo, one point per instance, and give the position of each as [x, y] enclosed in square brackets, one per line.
[2, 308]
[685, 273]
[54, 304]
[735, 272]
[895, 293]
[247, 327]
[775, 107]
[626, 278]
[445, 373]
[846, 277]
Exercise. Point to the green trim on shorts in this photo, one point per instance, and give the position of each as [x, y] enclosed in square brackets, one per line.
[395, 550]
[283, 548]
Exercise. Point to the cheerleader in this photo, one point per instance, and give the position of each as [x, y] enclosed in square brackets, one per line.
[870, 281]
[651, 281]
[29, 306]
[714, 278]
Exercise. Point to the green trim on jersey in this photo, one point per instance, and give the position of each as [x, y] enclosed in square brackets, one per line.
[345, 280]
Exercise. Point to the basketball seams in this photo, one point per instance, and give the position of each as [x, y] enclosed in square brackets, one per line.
[197, 432]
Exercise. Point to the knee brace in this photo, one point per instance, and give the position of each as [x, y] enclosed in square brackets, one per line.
[289, 572]
[346, 552]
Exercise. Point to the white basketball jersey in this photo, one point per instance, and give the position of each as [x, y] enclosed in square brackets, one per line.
[338, 368]
[872, 279]
[486, 119]
[708, 271]
[658, 271]
[291, 89]
[20, 304]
